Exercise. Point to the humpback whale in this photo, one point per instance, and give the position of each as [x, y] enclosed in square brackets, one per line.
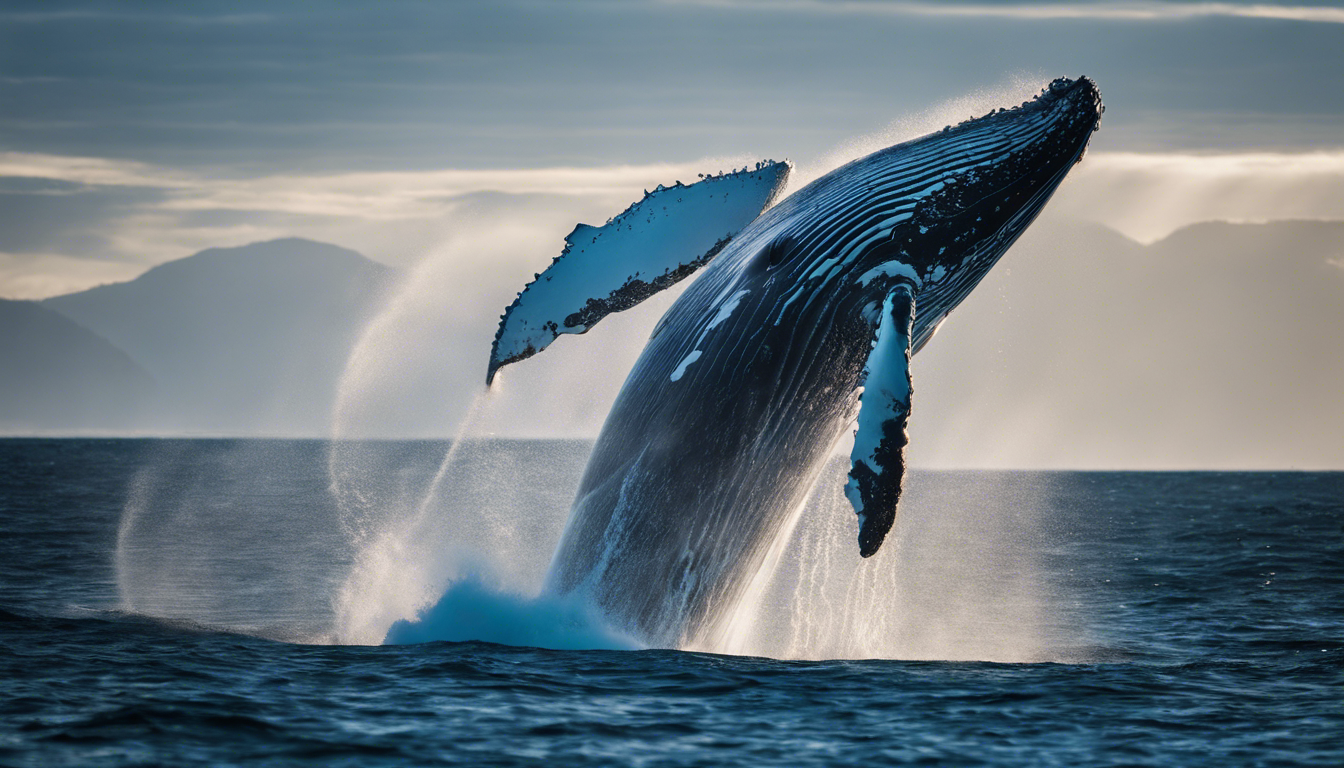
[801, 324]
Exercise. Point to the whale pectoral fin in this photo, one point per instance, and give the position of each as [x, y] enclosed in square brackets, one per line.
[654, 244]
[877, 463]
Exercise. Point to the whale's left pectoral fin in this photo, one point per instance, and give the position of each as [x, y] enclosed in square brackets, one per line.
[877, 463]
[655, 243]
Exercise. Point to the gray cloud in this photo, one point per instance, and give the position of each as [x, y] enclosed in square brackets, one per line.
[1093, 11]
[43, 215]
[399, 86]
[137, 214]
[108, 218]
[1147, 195]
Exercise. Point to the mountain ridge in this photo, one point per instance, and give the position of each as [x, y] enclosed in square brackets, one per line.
[58, 375]
[1214, 347]
[241, 340]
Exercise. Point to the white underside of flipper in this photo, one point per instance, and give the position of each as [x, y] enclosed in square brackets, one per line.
[877, 462]
[654, 244]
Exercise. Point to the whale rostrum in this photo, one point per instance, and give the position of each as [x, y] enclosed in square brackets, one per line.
[801, 322]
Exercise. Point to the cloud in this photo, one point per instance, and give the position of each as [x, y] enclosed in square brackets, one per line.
[389, 196]
[37, 276]
[94, 219]
[1143, 11]
[191, 19]
[89, 170]
[393, 216]
[1147, 195]
[373, 196]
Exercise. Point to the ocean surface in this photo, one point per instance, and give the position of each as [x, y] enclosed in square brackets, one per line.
[217, 602]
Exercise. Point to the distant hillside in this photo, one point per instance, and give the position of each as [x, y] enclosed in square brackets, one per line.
[246, 340]
[56, 376]
[1221, 345]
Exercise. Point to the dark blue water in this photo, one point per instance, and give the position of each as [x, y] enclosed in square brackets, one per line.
[1201, 614]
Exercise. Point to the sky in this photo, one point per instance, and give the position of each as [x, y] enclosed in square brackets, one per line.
[138, 133]
[460, 142]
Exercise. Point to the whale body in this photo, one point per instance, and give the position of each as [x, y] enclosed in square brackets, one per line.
[801, 324]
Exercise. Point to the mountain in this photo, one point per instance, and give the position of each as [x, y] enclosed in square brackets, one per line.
[57, 376]
[1221, 345]
[248, 340]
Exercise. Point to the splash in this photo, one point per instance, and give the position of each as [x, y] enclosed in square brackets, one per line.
[403, 560]
[473, 610]
[962, 577]
[412, 538]
[465, 561]
[232, 534]
[137, 501]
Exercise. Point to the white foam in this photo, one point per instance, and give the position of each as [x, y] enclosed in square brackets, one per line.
[472, 610]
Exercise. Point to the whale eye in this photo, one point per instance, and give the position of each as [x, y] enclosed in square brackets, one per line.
[776, 252]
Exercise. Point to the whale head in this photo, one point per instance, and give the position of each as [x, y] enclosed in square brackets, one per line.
[938, 211]
[1003, 168]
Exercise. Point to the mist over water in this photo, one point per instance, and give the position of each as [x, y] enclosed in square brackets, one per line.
[959, 578]
[464, 555]
[247, 536]
[232, 534]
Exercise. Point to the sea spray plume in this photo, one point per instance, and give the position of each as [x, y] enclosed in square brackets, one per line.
[802, 323]
[968, 578]
[412, 526]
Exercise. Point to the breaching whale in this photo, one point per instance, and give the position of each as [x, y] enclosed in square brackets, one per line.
[802, 323]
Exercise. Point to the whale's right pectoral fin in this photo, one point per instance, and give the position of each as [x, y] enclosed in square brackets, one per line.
[877, 463]
[655, 243]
